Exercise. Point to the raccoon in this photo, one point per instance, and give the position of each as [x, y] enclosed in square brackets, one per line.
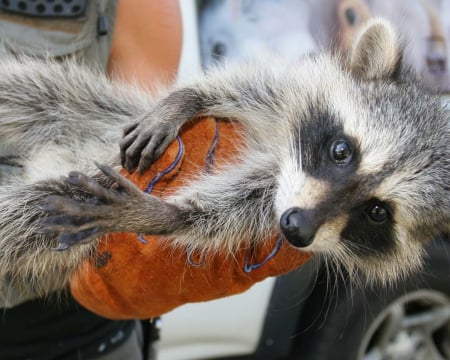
[351, 162]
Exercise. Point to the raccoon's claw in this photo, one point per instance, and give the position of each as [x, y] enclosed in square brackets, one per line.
[89, 185]
[154, 149]
[61, 247]
[67, 240]
[143, 144]
[99, 193]
[124, 185]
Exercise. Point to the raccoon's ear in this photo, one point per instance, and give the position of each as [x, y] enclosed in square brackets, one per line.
[376, 53]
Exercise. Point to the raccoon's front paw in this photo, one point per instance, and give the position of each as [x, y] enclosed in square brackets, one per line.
[144, 142]
[81, 221]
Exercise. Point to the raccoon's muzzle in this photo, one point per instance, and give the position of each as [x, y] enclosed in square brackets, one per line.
[298, 230]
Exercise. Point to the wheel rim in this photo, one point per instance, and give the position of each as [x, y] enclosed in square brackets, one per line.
[414, 326]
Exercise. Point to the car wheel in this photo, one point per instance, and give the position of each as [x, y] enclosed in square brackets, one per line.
[414, 326]
[408, 321]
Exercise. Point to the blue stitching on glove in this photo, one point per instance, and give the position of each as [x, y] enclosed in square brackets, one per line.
[161, 174]
[250, 267]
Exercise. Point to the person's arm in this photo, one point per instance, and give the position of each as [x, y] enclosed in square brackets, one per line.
[147, 42]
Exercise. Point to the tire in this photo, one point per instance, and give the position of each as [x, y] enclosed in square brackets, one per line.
[408, 321]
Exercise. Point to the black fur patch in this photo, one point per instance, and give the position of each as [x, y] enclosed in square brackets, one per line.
[369, 238]
[318, 131]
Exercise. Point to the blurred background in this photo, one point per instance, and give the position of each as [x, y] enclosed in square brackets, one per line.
[240, 29]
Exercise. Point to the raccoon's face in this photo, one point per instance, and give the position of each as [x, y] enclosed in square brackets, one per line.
[366, 178]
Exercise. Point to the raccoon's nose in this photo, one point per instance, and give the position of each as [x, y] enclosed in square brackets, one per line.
[296, 228]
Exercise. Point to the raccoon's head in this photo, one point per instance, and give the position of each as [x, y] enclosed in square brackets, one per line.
[366, 178]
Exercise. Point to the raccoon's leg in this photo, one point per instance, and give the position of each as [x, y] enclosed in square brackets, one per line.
[219, 211]
[28, 265]
[250, 95]
[99, 215]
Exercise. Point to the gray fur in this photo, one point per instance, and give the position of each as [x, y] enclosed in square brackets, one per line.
[53, 118]
[399, 132]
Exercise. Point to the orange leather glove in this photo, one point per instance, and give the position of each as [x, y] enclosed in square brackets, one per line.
[130, 279]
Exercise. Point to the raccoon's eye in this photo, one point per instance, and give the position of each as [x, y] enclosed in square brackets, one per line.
[378, 214]
[341, 152]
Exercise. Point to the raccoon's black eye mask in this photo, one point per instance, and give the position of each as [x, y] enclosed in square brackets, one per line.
[370, 227]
